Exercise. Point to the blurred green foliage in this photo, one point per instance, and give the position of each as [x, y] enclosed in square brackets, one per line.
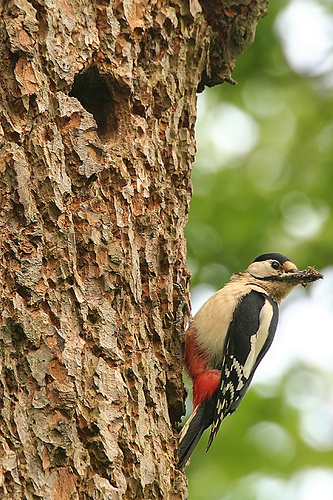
[277, 197]
[263, 438]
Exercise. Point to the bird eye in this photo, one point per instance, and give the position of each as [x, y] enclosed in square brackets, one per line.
[275, 264]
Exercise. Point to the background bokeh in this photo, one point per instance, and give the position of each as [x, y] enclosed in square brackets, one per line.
[263, 182]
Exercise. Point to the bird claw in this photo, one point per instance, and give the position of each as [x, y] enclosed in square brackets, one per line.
[183, 307]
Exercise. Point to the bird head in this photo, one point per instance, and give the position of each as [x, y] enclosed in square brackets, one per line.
[279, 275]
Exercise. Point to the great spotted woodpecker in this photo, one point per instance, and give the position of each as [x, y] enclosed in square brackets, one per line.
[227, 339]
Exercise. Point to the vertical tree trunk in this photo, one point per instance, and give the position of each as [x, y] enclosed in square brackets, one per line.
[97, 141]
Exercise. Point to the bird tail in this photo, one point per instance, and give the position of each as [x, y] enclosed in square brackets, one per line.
[190, 435]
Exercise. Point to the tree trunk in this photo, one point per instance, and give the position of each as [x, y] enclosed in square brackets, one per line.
[97, 141]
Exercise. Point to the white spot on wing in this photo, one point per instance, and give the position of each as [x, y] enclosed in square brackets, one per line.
[259, 338]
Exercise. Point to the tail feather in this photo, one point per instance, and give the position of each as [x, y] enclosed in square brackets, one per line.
[190, 435]
[200, 419]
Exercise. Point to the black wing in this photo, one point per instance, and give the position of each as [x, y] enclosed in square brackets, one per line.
[249, 337]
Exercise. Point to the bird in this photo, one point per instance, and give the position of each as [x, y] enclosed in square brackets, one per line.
[228, 337]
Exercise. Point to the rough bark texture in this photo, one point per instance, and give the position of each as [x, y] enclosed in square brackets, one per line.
[97, 141]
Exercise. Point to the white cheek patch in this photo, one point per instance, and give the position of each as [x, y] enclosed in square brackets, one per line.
[259, 338]
[261, 269]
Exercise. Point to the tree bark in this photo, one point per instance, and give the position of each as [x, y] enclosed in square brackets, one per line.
[97, 123]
